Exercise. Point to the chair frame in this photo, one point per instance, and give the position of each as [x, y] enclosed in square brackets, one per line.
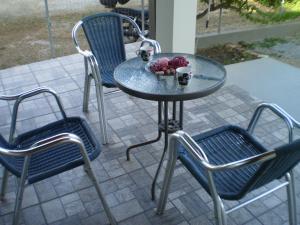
[91, 61]
[197, 152]
[40, 146]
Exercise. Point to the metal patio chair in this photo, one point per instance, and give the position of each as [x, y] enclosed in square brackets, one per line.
[47, 151]
[104, 33]
[229, 163]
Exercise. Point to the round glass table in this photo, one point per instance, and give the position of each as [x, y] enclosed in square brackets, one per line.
[134, 78]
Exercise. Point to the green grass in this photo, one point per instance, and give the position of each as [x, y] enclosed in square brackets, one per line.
[294, 5]
[266, 43]
[270, 42]
[289, 11]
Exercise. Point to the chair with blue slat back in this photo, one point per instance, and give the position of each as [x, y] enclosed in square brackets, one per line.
[229, 163]
[47, 151]
[104, 33]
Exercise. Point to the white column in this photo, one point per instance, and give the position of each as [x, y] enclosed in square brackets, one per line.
[176, 25]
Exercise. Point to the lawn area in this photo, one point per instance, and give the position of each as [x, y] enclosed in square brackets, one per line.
[288, 11]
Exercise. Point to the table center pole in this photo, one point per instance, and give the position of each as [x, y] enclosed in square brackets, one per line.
[167, 131]
[174, 110]
[159, 111]
[181, 115]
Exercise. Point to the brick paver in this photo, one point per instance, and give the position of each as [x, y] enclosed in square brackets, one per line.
[69, 198]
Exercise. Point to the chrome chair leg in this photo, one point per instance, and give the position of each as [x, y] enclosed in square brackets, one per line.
[224, 219]
[294, 195]
[4, 183]
[291, 203]
[219, 210]
[100, 103]
[92, 176]
[20, 191]
[87, 86]
[86, 93]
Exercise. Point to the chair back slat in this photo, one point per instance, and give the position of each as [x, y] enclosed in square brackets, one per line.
[287, 157]
[104, 33]
[9, 162]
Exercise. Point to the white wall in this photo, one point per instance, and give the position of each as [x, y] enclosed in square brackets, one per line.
[176, 25]
[164, 24]
[184, 23]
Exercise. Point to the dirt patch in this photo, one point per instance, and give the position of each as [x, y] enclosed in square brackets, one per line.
[25, 40]
[228, 53]
[15, 40]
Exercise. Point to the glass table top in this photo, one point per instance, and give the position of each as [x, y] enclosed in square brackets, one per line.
[134, 78]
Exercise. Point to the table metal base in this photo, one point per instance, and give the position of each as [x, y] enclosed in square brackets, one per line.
[141, 144]
[169, 125]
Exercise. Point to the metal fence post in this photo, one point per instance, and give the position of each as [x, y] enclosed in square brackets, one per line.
[143, 17]
[49, 29]
[220, 18]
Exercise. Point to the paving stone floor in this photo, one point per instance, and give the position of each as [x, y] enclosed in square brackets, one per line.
[69, 198]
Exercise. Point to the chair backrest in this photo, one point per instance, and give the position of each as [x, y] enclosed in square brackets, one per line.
[287, 156]
[3, 142]
[104, 33]
[10, 162]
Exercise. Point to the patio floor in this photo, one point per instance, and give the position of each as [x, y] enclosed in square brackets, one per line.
[69, 198]
[270, 80]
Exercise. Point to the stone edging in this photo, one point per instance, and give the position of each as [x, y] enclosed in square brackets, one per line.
[281, 30]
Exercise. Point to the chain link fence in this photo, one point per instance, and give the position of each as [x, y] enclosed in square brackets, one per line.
[35, 30]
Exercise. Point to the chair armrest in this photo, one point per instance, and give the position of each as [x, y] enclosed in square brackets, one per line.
[23, 94]
[155, 44]
[46, 144]
[288, 119]
[88, 55]
[85, 53]
[295, 122]
[20, 97]
[183, 138]
[198, 154]
[92, 61]
[244, 162]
